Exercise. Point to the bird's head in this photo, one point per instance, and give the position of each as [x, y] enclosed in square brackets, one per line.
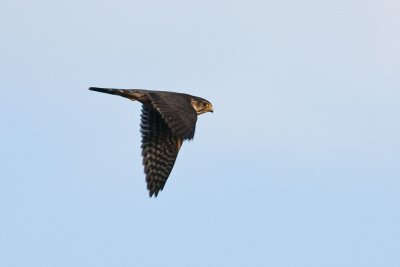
[201, 105]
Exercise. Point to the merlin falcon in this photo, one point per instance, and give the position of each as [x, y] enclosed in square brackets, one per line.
[167, 119]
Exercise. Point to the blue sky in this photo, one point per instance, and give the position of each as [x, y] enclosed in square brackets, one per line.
[298, 165]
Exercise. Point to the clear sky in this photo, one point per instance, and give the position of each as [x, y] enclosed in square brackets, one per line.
[298, 165]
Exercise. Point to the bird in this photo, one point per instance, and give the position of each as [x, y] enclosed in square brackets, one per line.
[167, 119]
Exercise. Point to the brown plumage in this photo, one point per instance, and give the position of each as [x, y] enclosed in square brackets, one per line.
[167, 120]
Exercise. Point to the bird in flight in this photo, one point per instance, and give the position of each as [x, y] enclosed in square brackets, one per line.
[167, 119]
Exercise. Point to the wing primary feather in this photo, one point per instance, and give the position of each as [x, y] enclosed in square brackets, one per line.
[159, 149]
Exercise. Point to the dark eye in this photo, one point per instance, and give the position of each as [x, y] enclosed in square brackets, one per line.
[204, 104]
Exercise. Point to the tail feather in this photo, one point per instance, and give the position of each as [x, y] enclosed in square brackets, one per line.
[112, 91]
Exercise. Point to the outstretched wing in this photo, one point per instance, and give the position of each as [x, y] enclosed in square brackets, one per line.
[160, 148]
[177, 111]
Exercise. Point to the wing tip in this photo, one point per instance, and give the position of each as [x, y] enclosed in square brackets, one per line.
[154, 192]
